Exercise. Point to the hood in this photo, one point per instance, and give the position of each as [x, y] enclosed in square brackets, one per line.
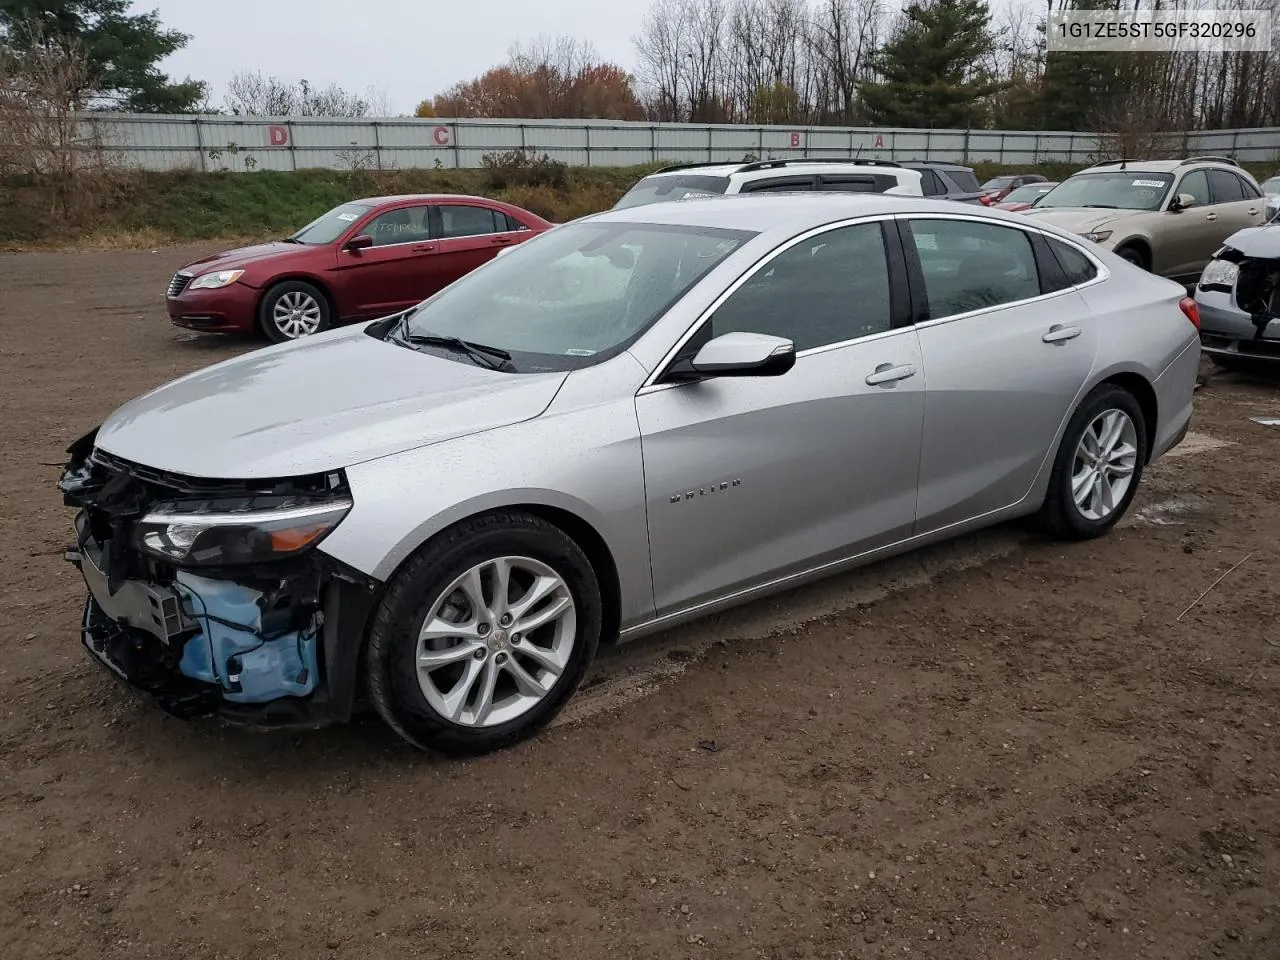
[1261, 243]
[1082, 219]
[319, 403]
[243, 256]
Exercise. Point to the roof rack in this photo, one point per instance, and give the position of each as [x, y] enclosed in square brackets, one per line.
[1111, 163]
[1209, 160]
[771, 164]
[691, 166]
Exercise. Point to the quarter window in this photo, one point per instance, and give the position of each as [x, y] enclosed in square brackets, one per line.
[457, 220]
[405, 225]
[778, 186]
[1250, 191]
[1075, 265]
[825, 289]
[869, 184]
[970, 266]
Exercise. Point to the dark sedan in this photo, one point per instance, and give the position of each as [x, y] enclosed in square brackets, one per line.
[365, 259]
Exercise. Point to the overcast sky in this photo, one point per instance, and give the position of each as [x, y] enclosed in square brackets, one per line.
[411, 48]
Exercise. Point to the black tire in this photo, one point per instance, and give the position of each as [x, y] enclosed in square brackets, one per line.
[1059, 514]
[1134, 256]
[292, 288]
[392, 650]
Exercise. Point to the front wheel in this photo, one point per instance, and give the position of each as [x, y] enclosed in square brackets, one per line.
[484, 634]
[1098, 466]
[293, 309]
[1134, 256]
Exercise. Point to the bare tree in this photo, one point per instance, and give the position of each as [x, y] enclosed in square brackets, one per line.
[255, 94]
[662, 50]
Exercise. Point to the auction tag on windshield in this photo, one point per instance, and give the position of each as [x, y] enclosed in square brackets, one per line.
[696, 195]
[1148, 183]
[926, 241]
[348, 216]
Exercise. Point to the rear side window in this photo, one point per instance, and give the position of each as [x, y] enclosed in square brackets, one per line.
[783, 185]
[1248, 189]
[1075, 265]
[963, 179]
[863, 184]
[970, 266]
[1225, 186]
[931, 184]
[467, 221]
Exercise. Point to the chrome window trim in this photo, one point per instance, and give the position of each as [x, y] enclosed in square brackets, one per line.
[650, 384]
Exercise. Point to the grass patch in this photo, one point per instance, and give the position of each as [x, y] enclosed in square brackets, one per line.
[135, 209]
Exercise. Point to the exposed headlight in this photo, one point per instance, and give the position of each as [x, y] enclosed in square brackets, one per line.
[1098, 235]
[1220, 273]
[212, 281]
[194, 538]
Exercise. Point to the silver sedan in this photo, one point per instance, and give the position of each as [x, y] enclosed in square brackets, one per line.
[633, 420]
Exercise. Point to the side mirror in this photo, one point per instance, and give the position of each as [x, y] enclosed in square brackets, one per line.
[1182, 201]
[744, 355]
[361, 242]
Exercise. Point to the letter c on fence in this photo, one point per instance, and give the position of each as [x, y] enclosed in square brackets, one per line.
[441, 136]
[795, 140]
[279, 136]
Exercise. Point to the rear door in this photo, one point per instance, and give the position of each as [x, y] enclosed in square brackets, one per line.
[1237, 208]
[390, 275]
[467, 235]
[1007, 345]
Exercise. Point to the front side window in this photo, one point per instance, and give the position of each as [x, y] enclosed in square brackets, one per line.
[826, 289]
[969, 265]
[1196, 184]
[575, 295]
[1028, 194]
[330, 226]
[1116, 190]
[406, 225]
[460, 220]
[671, 186]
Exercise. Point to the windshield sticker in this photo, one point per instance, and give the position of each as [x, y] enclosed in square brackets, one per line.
[926, 241]
[348, 216]
[1148, 183]
[577, 352]
[696, 195]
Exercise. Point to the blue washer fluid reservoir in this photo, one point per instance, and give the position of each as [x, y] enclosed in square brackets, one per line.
[246, 667]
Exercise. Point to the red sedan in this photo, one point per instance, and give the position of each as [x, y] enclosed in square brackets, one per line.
[365, 259]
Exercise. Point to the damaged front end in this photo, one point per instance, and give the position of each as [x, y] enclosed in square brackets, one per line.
[1239, 296]
[210, 595]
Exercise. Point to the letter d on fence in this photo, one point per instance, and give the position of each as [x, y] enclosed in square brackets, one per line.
[278, 136]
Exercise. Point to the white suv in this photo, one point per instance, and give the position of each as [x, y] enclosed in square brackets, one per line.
[685, 180]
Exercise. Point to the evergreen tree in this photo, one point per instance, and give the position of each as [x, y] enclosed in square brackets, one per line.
[120, 50]
[934, 73]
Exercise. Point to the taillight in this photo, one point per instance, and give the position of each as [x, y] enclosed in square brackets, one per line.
[1191, 310]
[984, 200]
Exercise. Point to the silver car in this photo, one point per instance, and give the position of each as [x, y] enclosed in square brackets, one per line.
[633, 420]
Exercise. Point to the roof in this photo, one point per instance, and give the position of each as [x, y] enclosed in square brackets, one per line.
[429, 197]
[1160, 166]
[788, 212]
[934, 164]
[784, 166]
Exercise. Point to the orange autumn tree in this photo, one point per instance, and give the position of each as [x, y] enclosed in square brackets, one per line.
[552, 78]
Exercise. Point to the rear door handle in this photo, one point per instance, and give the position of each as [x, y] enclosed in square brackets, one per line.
[1058, 334]
[1253, 211]
[888, 373]
[503, 240]
[1211, 216]
[425, 248]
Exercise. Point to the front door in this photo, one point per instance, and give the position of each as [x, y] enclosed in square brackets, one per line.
[392, 274]
[1004, 361]
[751, 479]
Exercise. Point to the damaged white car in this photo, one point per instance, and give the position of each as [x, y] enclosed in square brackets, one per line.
[1238, 296]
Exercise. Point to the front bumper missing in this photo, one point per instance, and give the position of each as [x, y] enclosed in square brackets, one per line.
[274, 645]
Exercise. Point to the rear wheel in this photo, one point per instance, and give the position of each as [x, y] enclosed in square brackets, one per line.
[293, 309]
[1098, 466]
[484, 634]
[1134, 256]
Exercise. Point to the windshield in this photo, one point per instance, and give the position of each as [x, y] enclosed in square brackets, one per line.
[997, 183]
[668, 187]
[1272, 187]
[1122, 190]
[576, 295]
[332, 225]
[1028, 193]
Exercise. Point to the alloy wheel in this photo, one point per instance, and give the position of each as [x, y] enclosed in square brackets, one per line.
[296, 314]
[1105, 460]
[495, 641]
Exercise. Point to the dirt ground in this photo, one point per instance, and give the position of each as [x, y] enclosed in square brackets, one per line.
[1003, 747]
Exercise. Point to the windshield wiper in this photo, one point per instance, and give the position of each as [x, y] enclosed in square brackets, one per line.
[289, 240]
[1101, 206]
[495, 358]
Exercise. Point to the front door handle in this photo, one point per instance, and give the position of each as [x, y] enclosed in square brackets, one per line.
[1211, 216]
[888, 373]
[1059, 334]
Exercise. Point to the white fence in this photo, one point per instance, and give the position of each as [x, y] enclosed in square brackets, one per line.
[166, 142]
